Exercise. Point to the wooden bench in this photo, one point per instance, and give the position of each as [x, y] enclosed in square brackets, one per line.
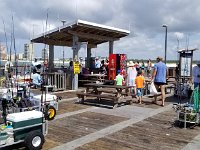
[87, 81]
[82, 82]
[107, 90]
[83, 95]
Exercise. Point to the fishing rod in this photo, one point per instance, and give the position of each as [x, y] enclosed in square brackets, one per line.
[14, 46]
[13, 30]
[4, 26]
[31, 58]
[9, 70]
[43, 78]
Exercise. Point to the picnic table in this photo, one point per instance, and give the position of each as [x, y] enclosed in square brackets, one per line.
[96, 77]
[116, 93]
[92, 78]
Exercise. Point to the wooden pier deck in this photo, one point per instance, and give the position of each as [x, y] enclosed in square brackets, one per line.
[129, 127]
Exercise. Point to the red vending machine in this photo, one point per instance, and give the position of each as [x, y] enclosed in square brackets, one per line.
[116, 62]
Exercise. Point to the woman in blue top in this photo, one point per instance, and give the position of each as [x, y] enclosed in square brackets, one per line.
[159, 77]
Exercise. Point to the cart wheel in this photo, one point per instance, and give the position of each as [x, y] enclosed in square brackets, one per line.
[34, 140]
[51, 113]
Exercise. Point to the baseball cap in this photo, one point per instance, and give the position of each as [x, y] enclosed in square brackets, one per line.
[159, 58]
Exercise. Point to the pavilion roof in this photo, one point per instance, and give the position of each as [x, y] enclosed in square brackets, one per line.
[92, 33]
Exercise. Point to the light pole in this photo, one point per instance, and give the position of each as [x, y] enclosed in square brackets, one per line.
[63, 21]
[165, 26]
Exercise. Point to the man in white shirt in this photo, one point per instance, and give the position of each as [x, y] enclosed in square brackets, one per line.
[196, 74]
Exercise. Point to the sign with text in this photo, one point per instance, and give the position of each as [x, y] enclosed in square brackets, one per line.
[76, 67]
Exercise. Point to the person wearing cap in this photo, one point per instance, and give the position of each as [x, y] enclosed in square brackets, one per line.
[159, 78]
[131, 75]
[119, 78]
[196, 74]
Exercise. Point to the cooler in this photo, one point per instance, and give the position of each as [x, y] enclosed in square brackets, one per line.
[25, 122]
[50, 99]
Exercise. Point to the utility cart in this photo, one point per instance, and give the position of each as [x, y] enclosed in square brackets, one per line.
[189, 112]
[18, 100]
[27, 127]
[50, 103]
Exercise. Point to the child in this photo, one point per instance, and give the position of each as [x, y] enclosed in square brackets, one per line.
[119, 78]
[139, 81]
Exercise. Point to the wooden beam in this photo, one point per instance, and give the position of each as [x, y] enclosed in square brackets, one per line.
[61, 43]
[92, 36]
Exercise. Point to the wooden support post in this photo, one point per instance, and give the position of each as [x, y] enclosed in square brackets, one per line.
[75, 49]
[111, 43]
[51, 57]
[88, 57]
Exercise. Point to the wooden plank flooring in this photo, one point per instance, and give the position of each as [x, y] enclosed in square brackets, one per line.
[157, 132]
[69, 106]
[73, 127]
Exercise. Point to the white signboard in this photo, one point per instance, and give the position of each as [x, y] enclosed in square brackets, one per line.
[186, 66]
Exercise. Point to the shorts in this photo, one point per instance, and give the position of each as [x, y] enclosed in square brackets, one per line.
[132, 82]
[159, 83]
[139, 91]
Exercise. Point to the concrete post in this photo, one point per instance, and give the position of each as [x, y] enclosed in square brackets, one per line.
[88, 57]
[111, 43]
[51, 57]
[75, 49]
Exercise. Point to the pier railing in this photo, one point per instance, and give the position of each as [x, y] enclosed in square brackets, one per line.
[57, 80]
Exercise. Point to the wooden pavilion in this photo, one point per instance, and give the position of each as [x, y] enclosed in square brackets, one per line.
[73, 34]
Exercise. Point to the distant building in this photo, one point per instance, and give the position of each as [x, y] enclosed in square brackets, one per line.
[28, 51]
[20, 56]
[45, 54]
[3, 52]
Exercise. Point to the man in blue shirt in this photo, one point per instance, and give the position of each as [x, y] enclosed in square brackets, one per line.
[159, 77]
[36, 79]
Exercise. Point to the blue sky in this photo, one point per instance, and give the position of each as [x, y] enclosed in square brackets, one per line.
[144, 18]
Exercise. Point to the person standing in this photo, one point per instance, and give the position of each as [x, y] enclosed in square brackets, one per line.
[131, 73]
[159, 77]
[138, 67]
[149, 65]
[36, 79]
[140, 81]
[97, 63]
[196, 74]
[119, 78]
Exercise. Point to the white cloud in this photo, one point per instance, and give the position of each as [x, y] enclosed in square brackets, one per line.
[143, 17]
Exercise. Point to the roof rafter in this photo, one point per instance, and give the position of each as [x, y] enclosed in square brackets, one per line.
[93, 36]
